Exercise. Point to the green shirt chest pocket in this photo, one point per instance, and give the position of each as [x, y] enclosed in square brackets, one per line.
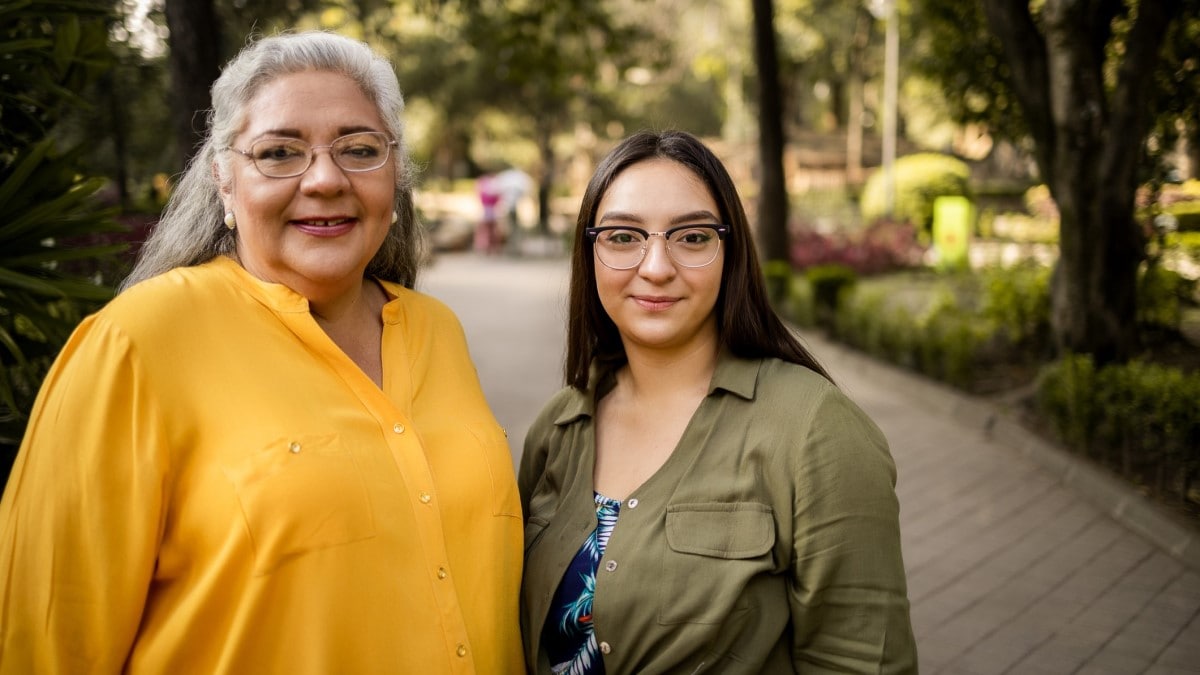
[714, 552]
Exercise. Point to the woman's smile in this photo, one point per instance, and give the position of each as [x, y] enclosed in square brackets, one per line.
[325, 227]
[655, 303]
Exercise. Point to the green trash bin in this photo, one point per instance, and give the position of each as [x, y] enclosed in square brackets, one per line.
[953, 217]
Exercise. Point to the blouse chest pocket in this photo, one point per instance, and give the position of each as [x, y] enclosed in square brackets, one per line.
[492, 442]
[301, 494]
[714, 551]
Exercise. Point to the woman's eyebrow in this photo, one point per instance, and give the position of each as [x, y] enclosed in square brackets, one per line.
[703, 214]
[288, 132]
[621, 216]
[691, 217]
[278, 133]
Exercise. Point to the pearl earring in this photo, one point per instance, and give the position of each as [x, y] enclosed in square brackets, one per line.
[230, 221]
[395, 217]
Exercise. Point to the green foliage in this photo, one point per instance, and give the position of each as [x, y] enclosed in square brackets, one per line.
[1017, 301]
[949, 341]
[1141, 419]
[48, 51]
[1187, 242]
[543, 59]
[868, 320]
[801, 306]
[956, 48]
[1177, 79]
[1066, 395]
[1187, 215]
[828, 282]
[943, 341]
[920, 178]
[977, 331]
[777, 274]
[1162, 294]
[47, 216]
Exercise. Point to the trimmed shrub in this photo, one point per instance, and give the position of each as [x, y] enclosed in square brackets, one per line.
[920, 178]
[1139, 419]
[1065, 394]
[1161, 296]
[828, 282]
[1017, 300]
[801, 307]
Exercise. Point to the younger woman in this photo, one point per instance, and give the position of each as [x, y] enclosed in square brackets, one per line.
[701, 498]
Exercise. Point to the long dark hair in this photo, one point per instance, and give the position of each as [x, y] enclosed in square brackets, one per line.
[746, 323]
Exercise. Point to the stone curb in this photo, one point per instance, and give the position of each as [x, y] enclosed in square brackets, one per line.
[1115, 498]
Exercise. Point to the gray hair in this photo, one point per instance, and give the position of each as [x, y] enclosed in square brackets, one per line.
[191, 230]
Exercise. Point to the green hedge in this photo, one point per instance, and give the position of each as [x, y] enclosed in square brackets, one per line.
[1140, 419]
[920, 178]
[1187, 215]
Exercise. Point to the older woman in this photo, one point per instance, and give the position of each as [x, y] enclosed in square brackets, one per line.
[701, 498]
[268, 453]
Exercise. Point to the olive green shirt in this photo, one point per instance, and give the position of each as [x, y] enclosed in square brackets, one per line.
[768, 542]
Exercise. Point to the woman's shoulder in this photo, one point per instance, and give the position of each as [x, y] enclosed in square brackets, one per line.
[417, 306]
[793, 396]
[563, 406]
[777, 377]
[170, 296]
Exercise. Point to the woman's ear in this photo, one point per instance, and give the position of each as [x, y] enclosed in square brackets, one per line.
[224, 187]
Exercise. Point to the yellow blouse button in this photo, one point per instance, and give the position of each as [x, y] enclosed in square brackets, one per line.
[442, 573]
[611, 565]
[398, 428]
[633, 503]
[605, 648]
[462, 650]
[294, 447]
[425, 498]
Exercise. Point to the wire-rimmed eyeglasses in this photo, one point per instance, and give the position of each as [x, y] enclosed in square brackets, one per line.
[288, 157]
[621, 247]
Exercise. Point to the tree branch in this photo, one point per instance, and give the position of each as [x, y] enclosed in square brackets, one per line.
[1025, 52]
[1131, 99]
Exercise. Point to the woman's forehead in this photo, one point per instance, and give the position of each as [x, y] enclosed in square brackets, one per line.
[656, 189]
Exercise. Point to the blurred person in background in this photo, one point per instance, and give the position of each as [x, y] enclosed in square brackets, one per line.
[487, 232]
[514, 185]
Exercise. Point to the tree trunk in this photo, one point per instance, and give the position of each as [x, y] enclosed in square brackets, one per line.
[1193, 150]
[546, 181]
[195, 64]
[116, 116]
[772, 198]
[1088, 146]
[854, 89]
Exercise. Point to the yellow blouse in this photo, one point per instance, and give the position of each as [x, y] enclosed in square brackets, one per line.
[209, 485]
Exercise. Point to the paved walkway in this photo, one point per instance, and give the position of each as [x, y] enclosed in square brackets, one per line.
[1019, 559]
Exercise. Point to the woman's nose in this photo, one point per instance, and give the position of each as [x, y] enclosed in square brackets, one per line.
[657, 263]
[323, 174]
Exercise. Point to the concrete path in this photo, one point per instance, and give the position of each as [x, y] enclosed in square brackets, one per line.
[1020, 560]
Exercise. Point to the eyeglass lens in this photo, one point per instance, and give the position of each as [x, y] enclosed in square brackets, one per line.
[690, 247]
[285, 157]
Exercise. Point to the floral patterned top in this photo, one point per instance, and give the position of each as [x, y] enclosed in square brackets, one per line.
[568, 635]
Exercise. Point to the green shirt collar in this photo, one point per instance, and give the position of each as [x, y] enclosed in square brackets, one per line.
[733, 374]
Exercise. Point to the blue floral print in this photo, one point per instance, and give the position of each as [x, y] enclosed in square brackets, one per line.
[568, 635]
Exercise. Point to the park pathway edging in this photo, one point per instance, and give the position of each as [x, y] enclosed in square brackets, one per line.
[1117, 499]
